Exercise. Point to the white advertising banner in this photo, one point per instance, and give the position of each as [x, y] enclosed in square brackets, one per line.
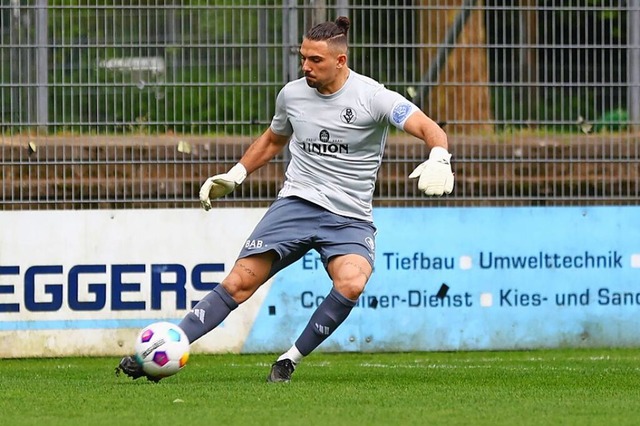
[85, 282]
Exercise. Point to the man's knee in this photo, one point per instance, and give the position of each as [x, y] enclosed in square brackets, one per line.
[247, 275]
[350, 274]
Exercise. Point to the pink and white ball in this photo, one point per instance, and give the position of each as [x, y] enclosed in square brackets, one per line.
[162, 349]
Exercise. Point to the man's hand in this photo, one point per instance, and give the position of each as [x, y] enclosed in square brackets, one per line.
[435, 175]
[220, 185]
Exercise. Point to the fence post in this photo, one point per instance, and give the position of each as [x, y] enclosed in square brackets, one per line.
[317, 13]
[42, 65]
[290, 40]
[342, 8]
[633, 65]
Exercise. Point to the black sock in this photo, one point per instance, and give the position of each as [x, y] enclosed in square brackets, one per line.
[327, 317]
[208, 313]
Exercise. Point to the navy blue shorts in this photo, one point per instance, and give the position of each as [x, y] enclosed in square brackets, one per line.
[292, 226]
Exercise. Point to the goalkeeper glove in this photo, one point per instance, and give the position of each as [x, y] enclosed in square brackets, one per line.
[435, 175]
[220, 185]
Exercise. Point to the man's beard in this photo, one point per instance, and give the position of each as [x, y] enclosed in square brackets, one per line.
[312, 82]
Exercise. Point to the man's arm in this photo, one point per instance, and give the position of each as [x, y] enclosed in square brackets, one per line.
[262, 150]
[435, 175]
[422, 127]
[259, 153]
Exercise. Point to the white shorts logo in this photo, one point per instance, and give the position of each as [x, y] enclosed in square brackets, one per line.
[370, 243]
[253, 244]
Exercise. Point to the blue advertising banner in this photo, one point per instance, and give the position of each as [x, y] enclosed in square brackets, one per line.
[477, 279]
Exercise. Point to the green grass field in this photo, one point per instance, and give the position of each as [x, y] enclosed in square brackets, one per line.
[581, 387]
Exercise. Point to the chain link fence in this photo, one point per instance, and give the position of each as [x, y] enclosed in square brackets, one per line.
[108, 105]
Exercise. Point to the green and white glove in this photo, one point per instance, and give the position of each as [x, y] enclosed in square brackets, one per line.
[435, 175]
[220, 185]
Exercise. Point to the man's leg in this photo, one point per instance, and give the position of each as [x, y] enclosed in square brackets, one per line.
[246, 276]
[350, 274]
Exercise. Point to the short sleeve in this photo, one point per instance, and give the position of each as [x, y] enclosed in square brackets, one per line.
[393, 107]
[280, 123]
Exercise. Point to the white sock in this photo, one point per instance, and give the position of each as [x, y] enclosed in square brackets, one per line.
[293, 354]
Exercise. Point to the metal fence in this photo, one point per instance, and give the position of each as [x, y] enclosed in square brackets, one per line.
[133, 104]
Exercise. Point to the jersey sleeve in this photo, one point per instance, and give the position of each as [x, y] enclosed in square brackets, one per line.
[280, 123]
[392, 107]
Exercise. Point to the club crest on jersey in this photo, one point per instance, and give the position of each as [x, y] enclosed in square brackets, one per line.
[324, 135]
[348, 115]
[400, 112]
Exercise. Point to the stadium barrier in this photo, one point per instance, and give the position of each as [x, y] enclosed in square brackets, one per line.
[485, 278]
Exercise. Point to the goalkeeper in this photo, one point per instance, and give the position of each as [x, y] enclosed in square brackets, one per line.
[335, 123]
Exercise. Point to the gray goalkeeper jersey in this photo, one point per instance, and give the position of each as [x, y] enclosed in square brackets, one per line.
[337, 141]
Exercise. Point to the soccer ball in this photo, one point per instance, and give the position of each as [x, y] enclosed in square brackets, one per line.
[162, 349]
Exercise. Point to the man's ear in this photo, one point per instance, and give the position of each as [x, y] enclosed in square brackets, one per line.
[341, 60]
